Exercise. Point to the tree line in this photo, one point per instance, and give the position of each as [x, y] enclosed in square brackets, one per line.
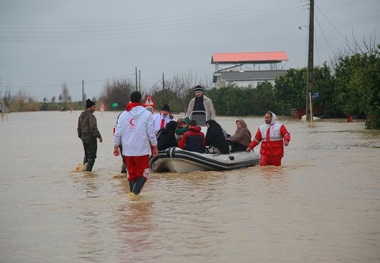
[350, 87]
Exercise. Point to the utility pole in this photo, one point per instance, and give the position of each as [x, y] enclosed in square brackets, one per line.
[163, 81]
[83, 98]
[140, 80]
[310, 66]
[137, 84]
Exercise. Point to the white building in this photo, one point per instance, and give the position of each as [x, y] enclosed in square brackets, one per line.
[247, 68]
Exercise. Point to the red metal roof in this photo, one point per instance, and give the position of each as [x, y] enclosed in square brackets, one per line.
[247, 57]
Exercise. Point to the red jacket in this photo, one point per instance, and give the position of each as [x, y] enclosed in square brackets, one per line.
[271, 138]
[193, 140]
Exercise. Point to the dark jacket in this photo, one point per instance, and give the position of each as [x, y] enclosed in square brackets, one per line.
[180, 131]
[193, 140]
[166, 137]
[87, 127]
[208, 105]
[215, 137]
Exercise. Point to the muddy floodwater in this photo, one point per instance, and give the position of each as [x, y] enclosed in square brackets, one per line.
[322, 205]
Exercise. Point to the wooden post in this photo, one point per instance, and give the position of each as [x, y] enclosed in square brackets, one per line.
[83, 97]
[163, 81]
[310, 67]
[137, 84]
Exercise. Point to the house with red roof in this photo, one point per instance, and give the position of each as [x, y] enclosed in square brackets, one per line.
[247, 69]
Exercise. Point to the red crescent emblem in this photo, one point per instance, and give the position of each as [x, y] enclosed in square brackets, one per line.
[131, 122]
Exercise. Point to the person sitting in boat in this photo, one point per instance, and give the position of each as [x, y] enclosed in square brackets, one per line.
[166, 137]
[182, 127]
[193, 140]
[242, 137]
[162, 118]
[216, 138]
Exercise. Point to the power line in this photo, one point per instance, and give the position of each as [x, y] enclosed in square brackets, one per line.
[328, 20]
[323, 33]
[356, 14]
[71, 83]
[191, 22]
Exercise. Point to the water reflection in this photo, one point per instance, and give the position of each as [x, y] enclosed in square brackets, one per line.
[272, 172]
[134, 231]
[90, 244]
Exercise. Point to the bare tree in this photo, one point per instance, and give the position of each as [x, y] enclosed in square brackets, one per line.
[178, 90]
[366, 46]
[117, 92]
[65, 93]
[181, 83]
[21, 96]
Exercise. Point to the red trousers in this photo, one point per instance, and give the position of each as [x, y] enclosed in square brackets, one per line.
[136, 166]
[270, 160]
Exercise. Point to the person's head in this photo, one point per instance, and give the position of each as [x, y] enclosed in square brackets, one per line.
[90, 105]
[135, 96]
[211, 123]
[198, 90]
[171, 125]
[182, 122]
[269, 117]
[240, 123]
[165, 110]
[192, 123]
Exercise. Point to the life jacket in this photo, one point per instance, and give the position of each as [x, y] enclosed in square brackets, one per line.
[272, 139]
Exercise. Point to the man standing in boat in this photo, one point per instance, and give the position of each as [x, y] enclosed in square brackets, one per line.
[273, 136]
[199, 105]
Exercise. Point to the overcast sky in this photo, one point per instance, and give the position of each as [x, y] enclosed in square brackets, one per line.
[45, 43]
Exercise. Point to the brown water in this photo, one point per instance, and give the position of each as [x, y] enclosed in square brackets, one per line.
[322, 205]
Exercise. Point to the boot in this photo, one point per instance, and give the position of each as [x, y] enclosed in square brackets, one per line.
[131, 184]
[132, 197]
[90, 164]
[85, 159]
[140, 181]
[123, 168]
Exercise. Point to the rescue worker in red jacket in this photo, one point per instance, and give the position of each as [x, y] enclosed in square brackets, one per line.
[273, 136]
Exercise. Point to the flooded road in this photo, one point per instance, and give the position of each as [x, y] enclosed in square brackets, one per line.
[322, 205]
